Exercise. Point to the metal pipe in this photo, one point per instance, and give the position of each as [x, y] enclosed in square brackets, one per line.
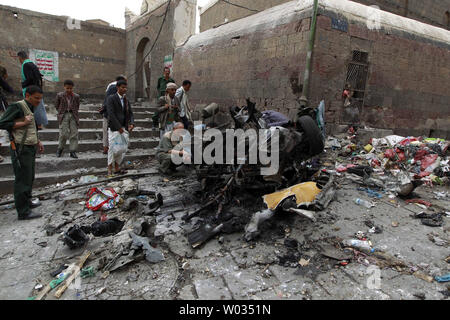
[312, 36]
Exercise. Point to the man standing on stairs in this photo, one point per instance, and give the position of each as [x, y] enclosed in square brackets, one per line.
[110, 90]
[120, 120]
[31, 76]
[19, 120]
[68, 105]
[162, 86]
[163, 81]
[4, 86]
[168, 110]
[185, 108]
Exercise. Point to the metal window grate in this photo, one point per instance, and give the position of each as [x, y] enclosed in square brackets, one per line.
[357, 72]
[360, 56]
[356, 76]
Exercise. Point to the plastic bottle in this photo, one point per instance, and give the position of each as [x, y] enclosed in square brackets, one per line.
[364, 203]
[358, 244]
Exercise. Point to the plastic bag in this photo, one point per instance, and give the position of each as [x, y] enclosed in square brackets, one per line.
[118, 143]
[88, 179]
[321, 118]
[101, 199]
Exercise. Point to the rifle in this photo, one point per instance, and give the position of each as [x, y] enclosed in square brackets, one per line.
[14, 148]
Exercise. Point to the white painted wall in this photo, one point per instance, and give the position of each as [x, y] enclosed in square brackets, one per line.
[185, 18]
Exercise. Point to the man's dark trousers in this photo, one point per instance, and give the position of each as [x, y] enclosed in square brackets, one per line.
[185, 121]
[24, 178]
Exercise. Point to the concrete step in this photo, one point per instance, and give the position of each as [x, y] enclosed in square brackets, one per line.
[94, 115]
[98, 124]
[139, 108]
[50, 163]
[51, 170]
[90, 145]
[95, 134]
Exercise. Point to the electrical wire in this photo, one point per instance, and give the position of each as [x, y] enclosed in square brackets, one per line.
[239, 6]
[151, 49]
[154, 43]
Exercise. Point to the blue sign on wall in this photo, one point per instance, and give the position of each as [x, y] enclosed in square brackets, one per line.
[339, 24]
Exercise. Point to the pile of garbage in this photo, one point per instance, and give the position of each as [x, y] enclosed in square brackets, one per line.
[394, 164]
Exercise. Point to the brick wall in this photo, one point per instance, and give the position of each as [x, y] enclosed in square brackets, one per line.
[217, 13]
[262, 56]
[407, 84]
[262, 65]
[142, 33]
[91, 56]
[429, 11]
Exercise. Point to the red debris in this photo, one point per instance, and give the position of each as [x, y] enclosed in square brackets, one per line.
[419, 201]
[428, 161]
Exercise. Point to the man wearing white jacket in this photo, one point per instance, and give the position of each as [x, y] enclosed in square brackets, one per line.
[185, 108]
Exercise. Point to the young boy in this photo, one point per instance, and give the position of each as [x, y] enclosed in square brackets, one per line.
[68, 105]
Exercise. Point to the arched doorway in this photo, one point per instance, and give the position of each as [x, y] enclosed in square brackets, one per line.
[143, 69]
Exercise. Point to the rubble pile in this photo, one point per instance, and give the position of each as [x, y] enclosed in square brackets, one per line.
[118, 227]
[393, 163]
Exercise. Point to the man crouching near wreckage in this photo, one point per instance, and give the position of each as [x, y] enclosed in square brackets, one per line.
[169, 147]
[20, 122]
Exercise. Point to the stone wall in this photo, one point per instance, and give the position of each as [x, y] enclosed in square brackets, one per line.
[220, 12]
[140, 36]
[263, 56]
[435, 12]
[406, 87]
[430, 11]
[92, 56]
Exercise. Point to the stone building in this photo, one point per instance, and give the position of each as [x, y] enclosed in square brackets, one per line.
[89, 53]
[141, 32]
[398, 67]
[218, 12]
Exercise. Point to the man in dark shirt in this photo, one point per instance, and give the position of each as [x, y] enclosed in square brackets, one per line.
[4, 87]
[163, 81]
[19, 120]
[120, 122]
[31, 76]
[110, 90]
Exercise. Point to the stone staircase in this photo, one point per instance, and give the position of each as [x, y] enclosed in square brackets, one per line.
[52, 170]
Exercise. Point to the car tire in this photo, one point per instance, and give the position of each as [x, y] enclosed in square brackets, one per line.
[313, 135]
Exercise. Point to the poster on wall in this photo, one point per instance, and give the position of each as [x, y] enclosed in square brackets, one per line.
[168, 62]
[48, 63]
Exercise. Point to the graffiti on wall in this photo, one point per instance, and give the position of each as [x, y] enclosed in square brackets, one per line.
[168, 62]
[48, 63]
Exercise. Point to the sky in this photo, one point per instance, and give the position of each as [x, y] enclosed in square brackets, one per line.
[111, 11]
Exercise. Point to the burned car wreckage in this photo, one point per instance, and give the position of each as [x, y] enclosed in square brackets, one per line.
[226, 187]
